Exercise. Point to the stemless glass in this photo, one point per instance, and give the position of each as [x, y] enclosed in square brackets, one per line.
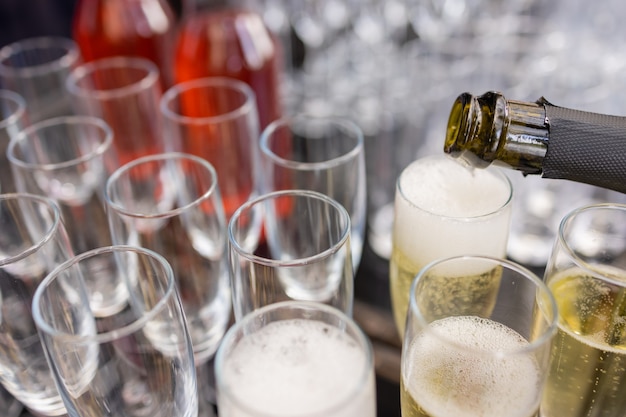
[295, 358]
[477, 340]
[124, 92]
[323, 154]
[134, 362]
[290, 244]
[216, 118]
[586, 272]
[171, 203]
[12, 120]
[36, 68]
[443, 208]
[32, 243]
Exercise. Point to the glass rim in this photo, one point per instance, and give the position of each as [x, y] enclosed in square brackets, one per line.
[571, 253]
[19, 111]
[106, 141]
[158, 158]
[466, 219]
[547, 310]
[260, 200]
[46, 237]
[150, 78]
[66, 61]
[231, 334]
[232, 84]
[288, 122]
[110, 335]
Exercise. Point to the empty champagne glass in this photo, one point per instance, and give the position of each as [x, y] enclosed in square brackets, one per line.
[124, 92]
[12, 120]
[290, 245]
[134, 362]
[586, 272]
[216, 118]
[171, 203]
[32, 243]
[323, 154]
[295, 358]
[477, 340]
[36, 68]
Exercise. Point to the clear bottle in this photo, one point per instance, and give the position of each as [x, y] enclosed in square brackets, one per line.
[539, 138]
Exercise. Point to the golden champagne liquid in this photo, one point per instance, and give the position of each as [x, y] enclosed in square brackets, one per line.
[588, 363]
[452, 295]
[442, 380]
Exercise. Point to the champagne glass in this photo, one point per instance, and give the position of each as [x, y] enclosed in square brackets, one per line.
[134, 362]
[124, 92]
[171, 203]
[290, 245]
[323, 154]
[586, 272]
[441, 209]
[68, 159]
[216, 118]
[36, 68]
[12, 120]
[295, 358]
[32, 243]
[477, 340]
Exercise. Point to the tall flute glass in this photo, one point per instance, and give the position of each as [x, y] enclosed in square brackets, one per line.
[290, 245]
[124, 92]
[469, 352]
[32, 243]
[171, 203]
[586, 272]
[134, 362]
[216, 118]
[323, 154]
[441, 209]
[12, 120]
[36, 68]
[295, 358]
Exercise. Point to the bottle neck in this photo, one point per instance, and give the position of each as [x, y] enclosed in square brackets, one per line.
[490, 129]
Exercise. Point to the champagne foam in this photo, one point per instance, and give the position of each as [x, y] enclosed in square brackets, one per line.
[448, 381]
[292, 366]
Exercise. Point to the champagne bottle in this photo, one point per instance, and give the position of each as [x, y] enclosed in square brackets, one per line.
[539, 138]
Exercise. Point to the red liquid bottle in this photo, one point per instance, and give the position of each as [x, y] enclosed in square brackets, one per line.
[230, 42]
[145, 28]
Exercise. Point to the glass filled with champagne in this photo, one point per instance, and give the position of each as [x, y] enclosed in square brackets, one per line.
[445, 208]
[586, 273]
[467, 356]
[295, 358]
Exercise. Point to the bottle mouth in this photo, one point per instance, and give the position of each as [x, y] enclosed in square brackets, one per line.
[457, 124]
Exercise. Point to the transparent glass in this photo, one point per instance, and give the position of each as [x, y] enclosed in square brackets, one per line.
[290, 244]
[477, 340]
[12, 120]
[137, 361]
[296, 358]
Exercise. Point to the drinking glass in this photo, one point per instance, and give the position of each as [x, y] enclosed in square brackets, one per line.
[586, 272]
[11, 406]
[171, 203]
[12, 120]
[68, 159]
[36, 68]
[124, 92]
[216, 119]
[134, 362]
[32, 243]
[290, 244]
[477, 339]
[323, 154]
[443, 208]
[295, 358]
